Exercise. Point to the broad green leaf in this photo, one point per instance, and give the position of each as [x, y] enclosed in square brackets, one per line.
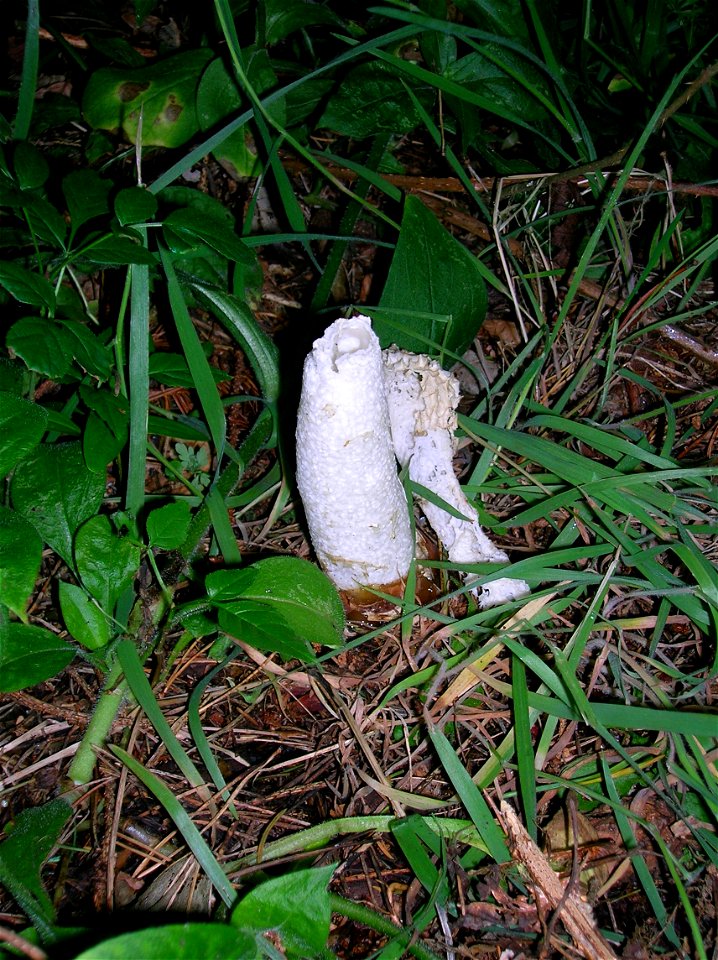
[29, 843]
[163, 94]
[49, 347]
[187, 941]
[134, 205]
[430, 273]
[112, 409]
[26, 286]
[43, 344]
[258, 347]
[115, 251]
[142, 10]
[54, 110]
[172, 370]
[22, 425]
[372, 99]
[87, 196]
[287, 16]
[297, 590]
[476, 72]
[56, 492]
[31, 168]
[264, 628]
[29, 655]
[107, 427]
[85, 622]
[89, 351]
[20, 556]
[300, 102]
[107, 564]
[218, 97]
[504, 17]
[216, 234]
[45, 221]
[295, 905]
[100, 445]
[179, 198]
[12, 374]
[167, 526]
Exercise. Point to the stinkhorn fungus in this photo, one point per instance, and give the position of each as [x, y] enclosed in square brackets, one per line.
[355, 505]
[359, 413]
[422, 401]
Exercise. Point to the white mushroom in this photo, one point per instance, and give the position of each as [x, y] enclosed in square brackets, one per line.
[358, 414]
[422, 401]
[347, 476]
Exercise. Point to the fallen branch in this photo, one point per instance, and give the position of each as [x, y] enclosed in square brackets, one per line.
[575, 914]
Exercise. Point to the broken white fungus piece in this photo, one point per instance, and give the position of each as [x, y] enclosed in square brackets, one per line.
[347, 475]
[422, 400]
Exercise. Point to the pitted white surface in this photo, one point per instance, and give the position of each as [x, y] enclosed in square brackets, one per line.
[346, 469]
[422, 401]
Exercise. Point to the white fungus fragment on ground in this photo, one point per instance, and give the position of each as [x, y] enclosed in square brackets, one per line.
[422, 400]
[347, 475]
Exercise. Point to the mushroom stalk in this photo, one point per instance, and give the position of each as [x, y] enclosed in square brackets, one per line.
[355, 505]
[422, 401]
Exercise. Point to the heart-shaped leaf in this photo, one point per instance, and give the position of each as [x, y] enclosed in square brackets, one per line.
[107, 564]
[22, 425]
[167, 526]
[296, 905]
[289, 592]
[56, 492]
[20, 556]
[434, 291]
[84, 620]
[29, 655]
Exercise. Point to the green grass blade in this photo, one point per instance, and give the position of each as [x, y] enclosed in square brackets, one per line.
[199, 366]
[223, 528]
[181, 819]
[261, 351]
[139, 386]
[637, 860]
[524, 745]
[413, 837]
[471, 797]
[196, 729]
[620, 716]
[141, 690]
[30, 61]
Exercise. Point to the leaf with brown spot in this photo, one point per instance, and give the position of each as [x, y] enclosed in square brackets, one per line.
[163, 96]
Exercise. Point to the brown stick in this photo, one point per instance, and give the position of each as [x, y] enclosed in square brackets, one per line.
[20, 943]
[576, 915]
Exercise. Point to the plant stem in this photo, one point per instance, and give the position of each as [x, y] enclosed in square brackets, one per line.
[150, 610]
[369, 917]
[318, 836]
[83, 764]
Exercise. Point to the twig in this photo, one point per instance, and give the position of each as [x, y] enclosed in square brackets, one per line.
[690, 343]
[576, 915]
[596, 292]
[20, 943]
